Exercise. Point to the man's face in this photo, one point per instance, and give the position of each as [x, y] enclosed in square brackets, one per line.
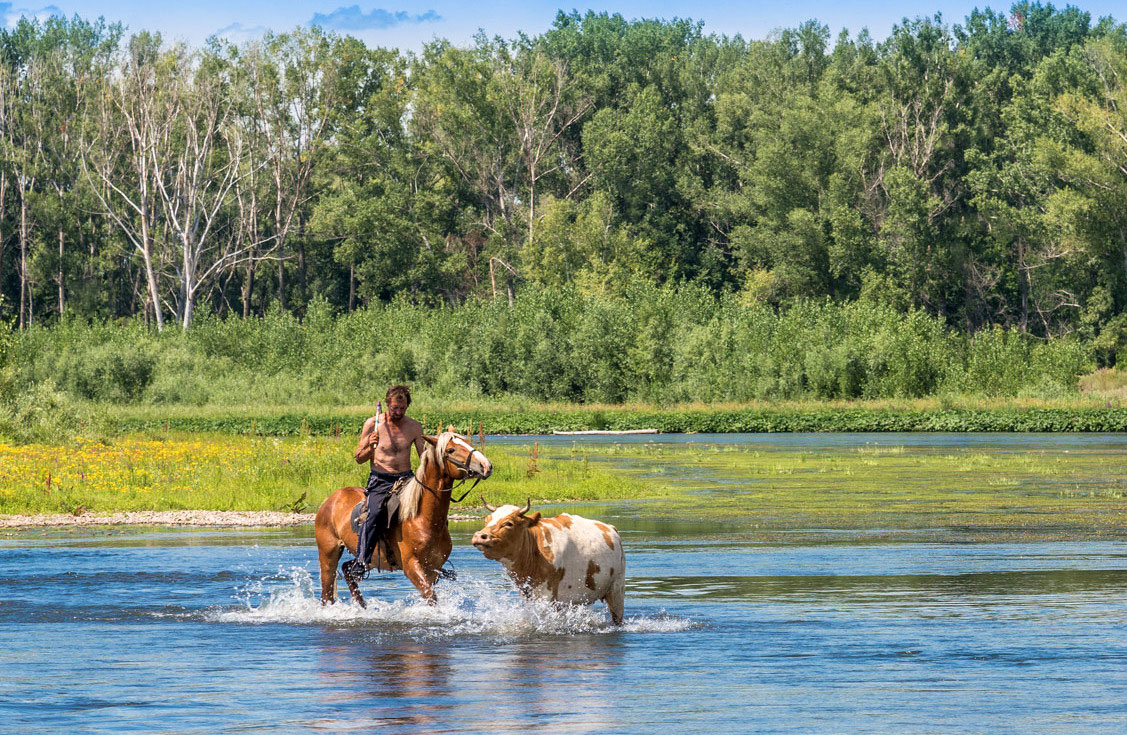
[396, 408]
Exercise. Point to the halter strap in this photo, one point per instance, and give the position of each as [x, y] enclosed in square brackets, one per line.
[464, 466]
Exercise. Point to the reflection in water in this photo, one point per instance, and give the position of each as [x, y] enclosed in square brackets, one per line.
[556, 684]
[397, 684]
[552, 684]
[887, 590]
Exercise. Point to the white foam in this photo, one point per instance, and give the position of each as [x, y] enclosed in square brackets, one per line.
[467, 607]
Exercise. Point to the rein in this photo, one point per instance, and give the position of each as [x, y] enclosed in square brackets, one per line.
[464, 467]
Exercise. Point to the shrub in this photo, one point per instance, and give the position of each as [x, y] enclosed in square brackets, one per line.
[42, 414]
[637, 342]
[110, 371]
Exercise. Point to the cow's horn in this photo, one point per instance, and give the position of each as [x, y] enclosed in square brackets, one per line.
[488, 507]
[527, 507]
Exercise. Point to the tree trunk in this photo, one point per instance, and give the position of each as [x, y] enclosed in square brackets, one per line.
[24, 306]
[281, 278]
[248, 288]
[1023, 286]
[189, 300]
[301, 273]
[351, 286]
[531, 199]
[3, 191]
[154, 297]
[62, 301]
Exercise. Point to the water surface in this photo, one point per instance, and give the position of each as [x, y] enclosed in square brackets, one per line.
[201, 631]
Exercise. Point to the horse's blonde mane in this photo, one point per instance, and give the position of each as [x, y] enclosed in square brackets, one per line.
[411, 496]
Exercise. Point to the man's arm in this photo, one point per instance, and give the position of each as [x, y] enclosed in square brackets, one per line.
[368, 439]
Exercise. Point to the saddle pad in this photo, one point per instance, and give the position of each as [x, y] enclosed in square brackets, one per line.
[356, 518]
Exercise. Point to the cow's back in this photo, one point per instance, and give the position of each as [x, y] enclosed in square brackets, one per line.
[588, 553]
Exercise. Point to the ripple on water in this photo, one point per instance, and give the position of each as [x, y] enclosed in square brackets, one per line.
[465, 608]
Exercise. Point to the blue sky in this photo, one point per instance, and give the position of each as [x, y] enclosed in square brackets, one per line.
[408, 26]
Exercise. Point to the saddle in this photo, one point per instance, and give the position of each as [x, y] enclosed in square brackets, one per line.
[382, 556]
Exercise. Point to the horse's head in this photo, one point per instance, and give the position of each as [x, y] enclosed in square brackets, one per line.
[459, 458]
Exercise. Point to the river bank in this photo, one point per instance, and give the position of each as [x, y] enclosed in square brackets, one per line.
[202, 518]
[1082, 413]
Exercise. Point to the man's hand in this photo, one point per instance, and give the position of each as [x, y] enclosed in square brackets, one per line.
[369, 438]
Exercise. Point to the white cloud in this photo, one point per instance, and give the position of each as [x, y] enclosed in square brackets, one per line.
[237, 32]
[11, 15]
[353, 19]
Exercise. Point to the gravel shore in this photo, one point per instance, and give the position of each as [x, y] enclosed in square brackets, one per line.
[265, 518]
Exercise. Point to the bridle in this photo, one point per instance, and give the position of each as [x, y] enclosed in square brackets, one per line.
[464, 467]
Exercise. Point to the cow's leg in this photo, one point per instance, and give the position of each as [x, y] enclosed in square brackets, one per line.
[616, 597]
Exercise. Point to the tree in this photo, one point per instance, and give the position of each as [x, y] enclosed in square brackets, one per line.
[23, 123]
[544, 103]
[123, 140]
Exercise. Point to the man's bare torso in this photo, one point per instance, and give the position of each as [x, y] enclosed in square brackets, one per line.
[387, 445]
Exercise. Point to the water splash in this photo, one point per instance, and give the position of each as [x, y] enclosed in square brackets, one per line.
[468, 607]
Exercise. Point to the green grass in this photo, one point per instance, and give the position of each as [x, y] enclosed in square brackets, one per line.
[512, 416]
[223, 472]
[1028, 493]
[1071, 493]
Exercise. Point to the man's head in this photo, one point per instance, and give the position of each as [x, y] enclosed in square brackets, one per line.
[398, 399]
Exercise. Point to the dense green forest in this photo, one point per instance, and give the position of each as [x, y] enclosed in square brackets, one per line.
[974, 171]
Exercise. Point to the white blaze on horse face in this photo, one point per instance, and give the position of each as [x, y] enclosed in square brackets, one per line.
[483, 466]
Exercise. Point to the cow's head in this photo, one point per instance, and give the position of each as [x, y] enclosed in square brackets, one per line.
[504, 530]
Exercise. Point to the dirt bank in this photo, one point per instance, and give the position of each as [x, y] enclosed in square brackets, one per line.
[171, 518]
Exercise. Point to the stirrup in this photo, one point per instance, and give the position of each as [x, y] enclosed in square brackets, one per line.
[355, 569]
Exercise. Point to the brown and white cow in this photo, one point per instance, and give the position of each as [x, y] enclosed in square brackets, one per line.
[569, 558]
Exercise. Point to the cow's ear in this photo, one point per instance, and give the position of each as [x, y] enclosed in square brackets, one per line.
[533, 517]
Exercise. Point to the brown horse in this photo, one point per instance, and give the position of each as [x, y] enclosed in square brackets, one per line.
[420, 540]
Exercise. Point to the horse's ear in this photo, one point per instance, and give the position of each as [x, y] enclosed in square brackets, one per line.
[431, 440]
[533, 517]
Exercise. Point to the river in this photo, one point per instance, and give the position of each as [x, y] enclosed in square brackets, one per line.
[215, 630]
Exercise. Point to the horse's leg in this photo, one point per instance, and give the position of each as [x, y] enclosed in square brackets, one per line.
[422, 578]
[354, 588]
[328, 563]
[329, 549]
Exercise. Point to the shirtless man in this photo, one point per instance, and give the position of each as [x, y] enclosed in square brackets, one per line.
[385, 442]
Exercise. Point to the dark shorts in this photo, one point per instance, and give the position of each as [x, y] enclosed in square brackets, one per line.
[382, 482]
[377, 520]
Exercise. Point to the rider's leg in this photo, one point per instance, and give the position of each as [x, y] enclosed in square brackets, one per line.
[367, 531]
